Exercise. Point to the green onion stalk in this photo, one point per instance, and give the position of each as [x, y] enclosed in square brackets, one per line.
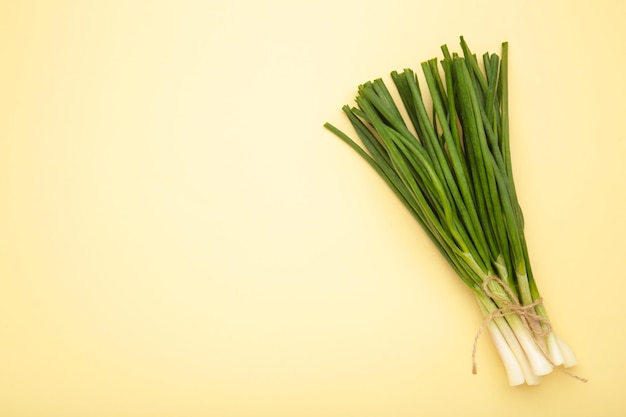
[449, 163]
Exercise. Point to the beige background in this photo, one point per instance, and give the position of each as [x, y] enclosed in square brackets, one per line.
[181, 237]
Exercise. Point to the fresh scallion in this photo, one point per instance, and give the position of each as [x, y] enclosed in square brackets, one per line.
[451, 168]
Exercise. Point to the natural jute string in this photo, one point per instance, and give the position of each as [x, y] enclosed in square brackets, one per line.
[532, 321]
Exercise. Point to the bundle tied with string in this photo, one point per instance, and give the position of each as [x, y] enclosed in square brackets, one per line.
[448, 160]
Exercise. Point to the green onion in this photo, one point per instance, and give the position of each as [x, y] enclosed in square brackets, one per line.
[451, 168]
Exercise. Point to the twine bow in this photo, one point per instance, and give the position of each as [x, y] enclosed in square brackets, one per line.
[538, 325]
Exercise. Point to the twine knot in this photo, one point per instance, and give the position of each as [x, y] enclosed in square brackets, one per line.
[538, 325]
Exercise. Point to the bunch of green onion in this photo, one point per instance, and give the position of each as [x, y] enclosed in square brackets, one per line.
[451, 168]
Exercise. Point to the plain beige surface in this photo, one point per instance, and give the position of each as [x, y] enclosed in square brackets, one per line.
[180, 237]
